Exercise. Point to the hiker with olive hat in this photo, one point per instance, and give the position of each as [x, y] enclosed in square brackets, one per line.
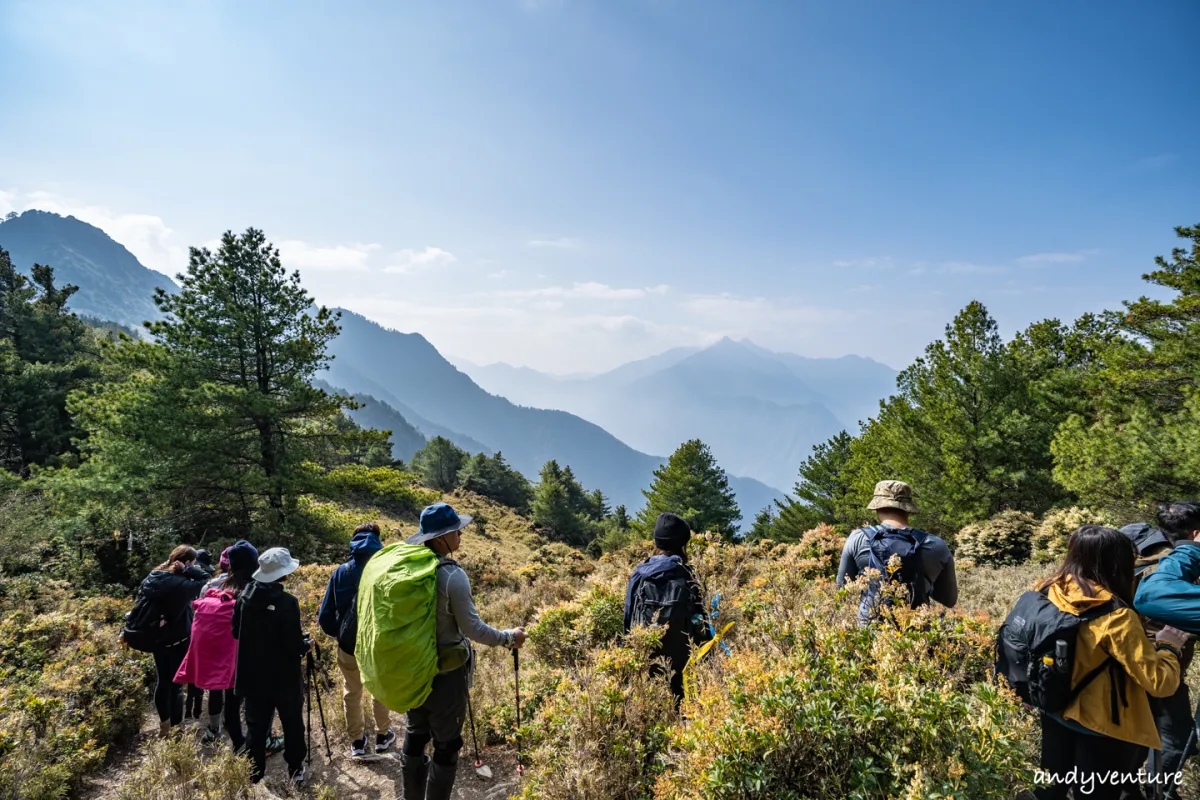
[440, 718]
[663, 591]
[926, 563]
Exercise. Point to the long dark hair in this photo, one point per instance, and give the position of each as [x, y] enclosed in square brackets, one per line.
[1099, 556]
[235, 582]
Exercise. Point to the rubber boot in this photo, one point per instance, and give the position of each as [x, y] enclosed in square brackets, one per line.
[441, 780]
[415, 769]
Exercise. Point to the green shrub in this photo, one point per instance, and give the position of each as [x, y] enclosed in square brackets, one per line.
[68, 690]
[1052, 534]
[1005, 539]
[563, 633]
[382, 486]
[601, 730]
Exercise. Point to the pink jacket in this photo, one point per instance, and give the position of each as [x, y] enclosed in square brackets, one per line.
[212, 653]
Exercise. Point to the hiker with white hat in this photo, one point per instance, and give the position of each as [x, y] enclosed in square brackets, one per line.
[271, 644]
[926, 564]
[440, 718]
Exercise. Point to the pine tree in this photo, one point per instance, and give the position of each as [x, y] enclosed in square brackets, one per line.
[553, 511]
[692, 485]
[764, 524]
[439, 463]
[45, 353]
[1137, 440]
[820, 493]
[216, 420]
[492, 477]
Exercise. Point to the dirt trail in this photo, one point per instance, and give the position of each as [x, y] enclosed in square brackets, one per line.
[379, 779]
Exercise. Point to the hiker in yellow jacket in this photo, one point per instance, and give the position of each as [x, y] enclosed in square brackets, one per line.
[1108, 727]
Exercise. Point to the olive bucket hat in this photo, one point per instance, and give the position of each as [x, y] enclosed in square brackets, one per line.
[893, 494]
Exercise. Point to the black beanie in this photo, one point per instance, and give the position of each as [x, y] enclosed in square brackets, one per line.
[671, 532]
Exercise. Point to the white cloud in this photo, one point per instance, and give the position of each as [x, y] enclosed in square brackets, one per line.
[562, 243]
[884, 262]
[145, 235]
[590, 290]
[407, 262]
[1056, 258]
[297, 254]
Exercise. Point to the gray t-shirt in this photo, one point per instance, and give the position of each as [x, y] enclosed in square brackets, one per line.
[457, 617]
[936, 560]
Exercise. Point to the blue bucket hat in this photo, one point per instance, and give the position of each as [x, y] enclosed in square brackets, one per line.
[438, 520]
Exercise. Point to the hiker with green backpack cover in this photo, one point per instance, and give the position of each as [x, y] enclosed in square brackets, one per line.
[416, 621]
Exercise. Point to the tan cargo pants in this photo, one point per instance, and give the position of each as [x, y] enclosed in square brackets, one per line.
[352, 696]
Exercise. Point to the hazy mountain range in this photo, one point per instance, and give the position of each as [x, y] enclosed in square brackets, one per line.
[760, 411]
[405, 384]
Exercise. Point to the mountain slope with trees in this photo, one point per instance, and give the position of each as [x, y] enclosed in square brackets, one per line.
[113, 284]
[407, 369]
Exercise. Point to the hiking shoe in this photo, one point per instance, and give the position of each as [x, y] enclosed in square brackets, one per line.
[297, 775]
[274, 745]
[384, 741]
[358, 748]
[210, 735]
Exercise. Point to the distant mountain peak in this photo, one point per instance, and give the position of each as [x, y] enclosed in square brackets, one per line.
[113, 284]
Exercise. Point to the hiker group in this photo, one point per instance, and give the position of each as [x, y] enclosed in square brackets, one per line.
[403, 618]
[1097, 648]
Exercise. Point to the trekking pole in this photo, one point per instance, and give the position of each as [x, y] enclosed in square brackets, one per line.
[320, 705]
[308, 690]
[480, 768]
[517, 684]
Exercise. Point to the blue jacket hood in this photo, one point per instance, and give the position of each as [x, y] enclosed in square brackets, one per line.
[363, 546]
[658, 564]
[343, 586]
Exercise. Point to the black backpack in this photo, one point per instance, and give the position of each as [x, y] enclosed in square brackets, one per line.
[1035, 652]
[348, 629]
[664, 598]
[144, 625]
[883, 542]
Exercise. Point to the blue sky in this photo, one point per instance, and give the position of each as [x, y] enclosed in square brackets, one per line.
[570, 184]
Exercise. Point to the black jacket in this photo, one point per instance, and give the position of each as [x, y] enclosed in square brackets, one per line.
[266, 623]
[173, 594]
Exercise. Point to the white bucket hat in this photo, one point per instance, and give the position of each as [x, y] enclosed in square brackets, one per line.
[274, 564]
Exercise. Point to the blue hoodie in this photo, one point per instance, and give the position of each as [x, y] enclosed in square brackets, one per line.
[1170, 594]
[343, 586]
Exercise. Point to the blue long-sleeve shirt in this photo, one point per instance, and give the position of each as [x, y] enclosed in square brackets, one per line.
[1170, 594]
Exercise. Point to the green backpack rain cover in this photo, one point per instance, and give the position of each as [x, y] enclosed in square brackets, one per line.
[396, 646]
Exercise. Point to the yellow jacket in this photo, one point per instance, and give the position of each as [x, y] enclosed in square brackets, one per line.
[1147, 670]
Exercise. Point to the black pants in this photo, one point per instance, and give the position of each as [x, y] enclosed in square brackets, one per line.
[1082, 758]
[228, 704]
[288, 702]
[168, 695]
[194, 701]
[1173, 716]
[439, 718]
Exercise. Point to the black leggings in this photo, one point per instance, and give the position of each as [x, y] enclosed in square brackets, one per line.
[168, 695]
